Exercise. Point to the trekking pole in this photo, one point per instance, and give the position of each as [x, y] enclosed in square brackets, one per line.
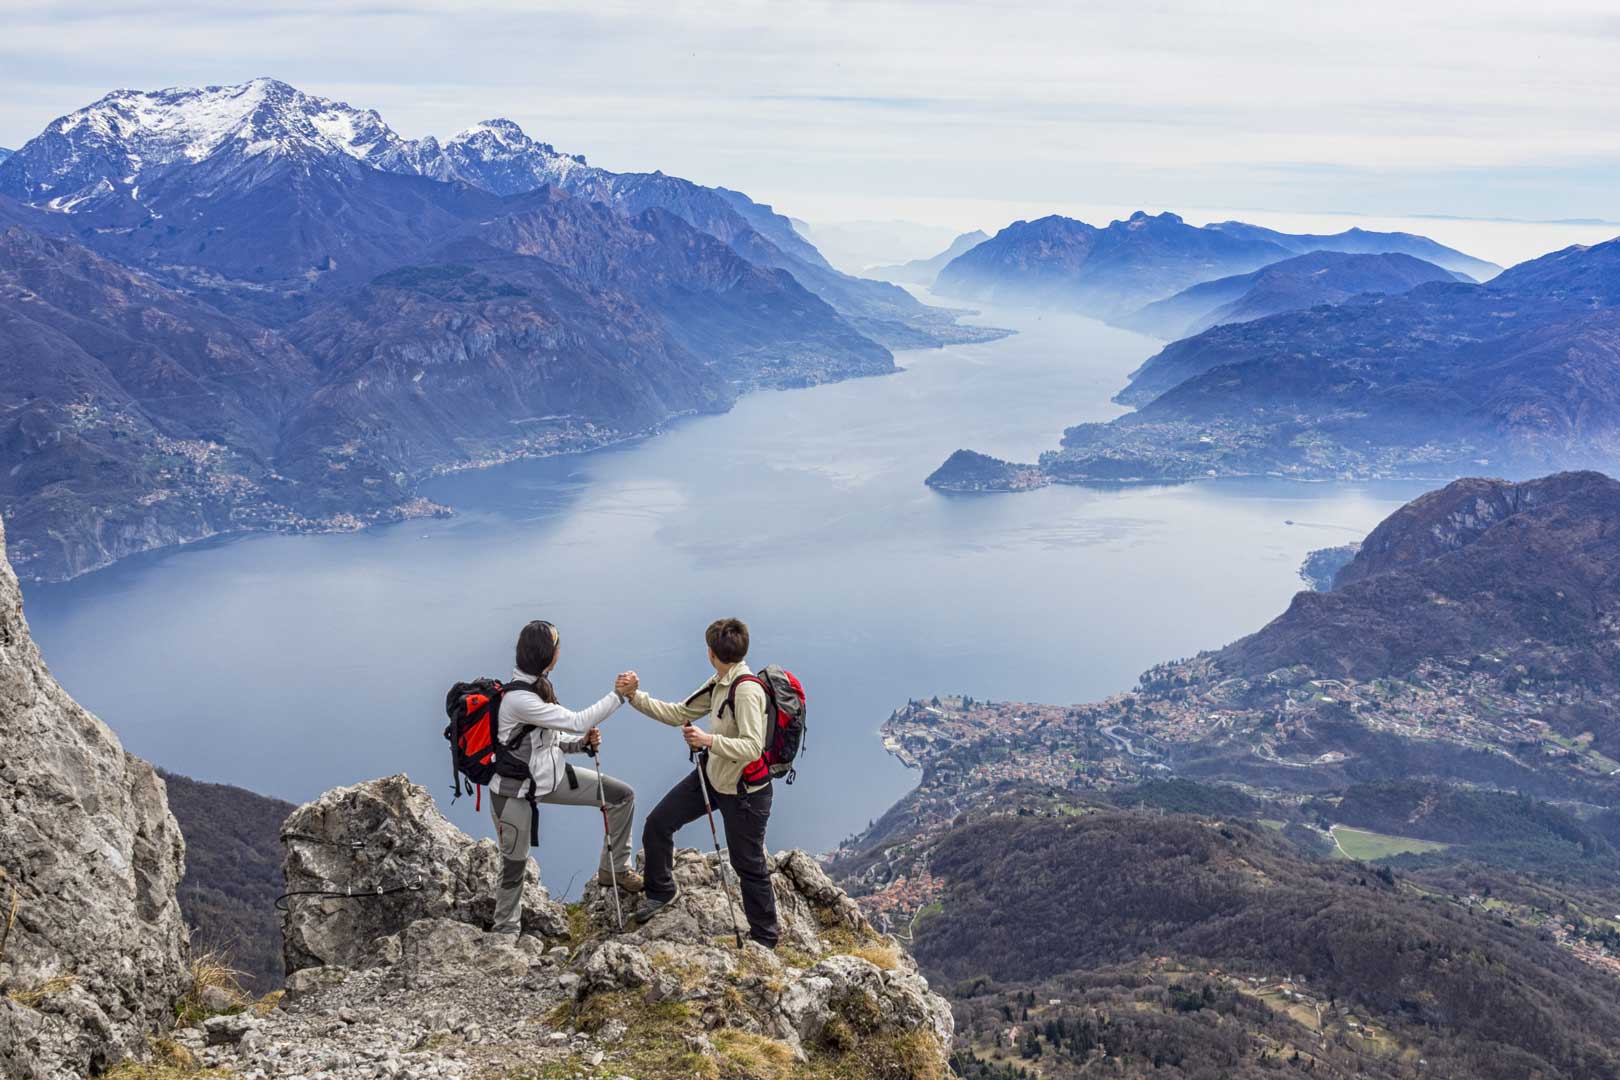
[703, 782]
[607, 838]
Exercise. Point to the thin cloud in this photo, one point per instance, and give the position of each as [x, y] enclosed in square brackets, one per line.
[1375, 106]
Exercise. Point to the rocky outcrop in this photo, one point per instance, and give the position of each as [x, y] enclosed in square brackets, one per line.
[1448, 520]
[93, 950]
[410, 985]
[366, 862]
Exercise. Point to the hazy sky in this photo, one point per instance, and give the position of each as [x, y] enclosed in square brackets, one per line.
[927, 111]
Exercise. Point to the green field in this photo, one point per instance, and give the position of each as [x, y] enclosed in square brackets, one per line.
[1366, 845]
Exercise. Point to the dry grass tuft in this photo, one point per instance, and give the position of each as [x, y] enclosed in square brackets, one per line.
[880, 954]
[265, 1005]
[209, 970]
[34, 995]
[173, 1054]
[755, 1056]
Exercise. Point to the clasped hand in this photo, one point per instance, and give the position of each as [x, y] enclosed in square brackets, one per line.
[627, 684]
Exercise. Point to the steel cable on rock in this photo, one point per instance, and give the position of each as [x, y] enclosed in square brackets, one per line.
[349, 892]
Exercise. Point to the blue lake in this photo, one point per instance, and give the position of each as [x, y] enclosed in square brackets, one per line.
[290, 664]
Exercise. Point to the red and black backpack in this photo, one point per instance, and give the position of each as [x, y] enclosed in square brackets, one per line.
[476, 753]
[784, 709]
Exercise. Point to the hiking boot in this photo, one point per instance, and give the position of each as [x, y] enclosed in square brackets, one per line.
[650, 907]
[629, 880]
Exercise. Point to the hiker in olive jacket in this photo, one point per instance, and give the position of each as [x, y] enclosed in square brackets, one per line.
[735, 738]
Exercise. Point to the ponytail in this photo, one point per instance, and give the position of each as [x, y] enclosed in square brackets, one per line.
[536, 649]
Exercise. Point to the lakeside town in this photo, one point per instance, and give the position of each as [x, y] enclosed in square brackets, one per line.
[980, 756]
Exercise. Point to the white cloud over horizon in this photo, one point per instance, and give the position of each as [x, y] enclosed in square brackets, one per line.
[883, 108]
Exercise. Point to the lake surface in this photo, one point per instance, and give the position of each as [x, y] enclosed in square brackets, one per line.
[290, 664]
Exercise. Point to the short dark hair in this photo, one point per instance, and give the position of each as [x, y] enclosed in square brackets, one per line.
[728, 638]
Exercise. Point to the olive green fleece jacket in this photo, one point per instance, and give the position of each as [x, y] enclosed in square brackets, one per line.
[739, 736]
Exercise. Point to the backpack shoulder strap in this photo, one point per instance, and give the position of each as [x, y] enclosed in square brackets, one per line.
[520, 731]
[731, 694]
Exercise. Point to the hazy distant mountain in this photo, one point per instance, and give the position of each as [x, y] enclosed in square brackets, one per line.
[1058, 261]
[212, 162]
[1110, 272]
[924, 271]
[1512, 376]
[1322, 277]
[1357, 241]
[857, 246]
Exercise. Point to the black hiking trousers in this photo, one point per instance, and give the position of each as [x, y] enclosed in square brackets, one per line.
[745, 817]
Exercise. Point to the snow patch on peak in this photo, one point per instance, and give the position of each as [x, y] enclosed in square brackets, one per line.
[234, 129]
[160, 127]
[501, 128]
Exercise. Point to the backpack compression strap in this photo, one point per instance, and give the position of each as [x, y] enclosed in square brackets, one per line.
[731, 695]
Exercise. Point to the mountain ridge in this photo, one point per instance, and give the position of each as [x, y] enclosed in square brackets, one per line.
[1358, 241]
[1303, 281]
[385, 280]
[1111, 271]
[204, 158]
[345, 402]
[1105, 271]
[1518, 375]
[924, 271]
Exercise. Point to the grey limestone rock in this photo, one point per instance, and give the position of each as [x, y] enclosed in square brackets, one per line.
[91, 857]
[393, 858]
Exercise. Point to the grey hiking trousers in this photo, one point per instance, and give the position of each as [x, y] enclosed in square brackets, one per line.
[512, 817]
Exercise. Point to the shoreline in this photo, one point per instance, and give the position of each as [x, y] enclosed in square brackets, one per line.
[407, 510]
[418, 506]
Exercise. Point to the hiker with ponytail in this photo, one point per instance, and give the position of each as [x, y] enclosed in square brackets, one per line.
[541, 732]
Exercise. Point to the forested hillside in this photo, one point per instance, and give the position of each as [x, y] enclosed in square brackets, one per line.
[1162, 937]
[233, 874]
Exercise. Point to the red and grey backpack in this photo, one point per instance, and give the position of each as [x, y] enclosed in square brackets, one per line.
[784, 708]
[476, 752]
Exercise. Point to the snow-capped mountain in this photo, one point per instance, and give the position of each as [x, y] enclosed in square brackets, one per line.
[183, 143]
[4, 153]
[263, 182]
[497, 156]
[130, 136]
